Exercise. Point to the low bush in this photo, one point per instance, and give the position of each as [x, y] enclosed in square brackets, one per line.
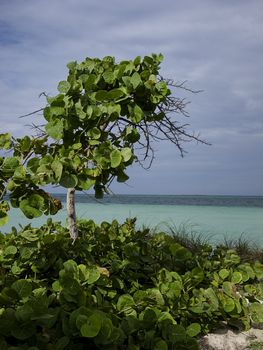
[119, 288]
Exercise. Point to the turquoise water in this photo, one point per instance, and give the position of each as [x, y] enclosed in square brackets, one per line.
[214, 216]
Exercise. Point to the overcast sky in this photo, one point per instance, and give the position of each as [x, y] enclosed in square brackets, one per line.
[216, 45]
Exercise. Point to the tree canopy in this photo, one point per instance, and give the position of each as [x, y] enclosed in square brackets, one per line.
[104, 118]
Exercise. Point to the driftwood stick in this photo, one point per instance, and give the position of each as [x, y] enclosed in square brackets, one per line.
[72, 214]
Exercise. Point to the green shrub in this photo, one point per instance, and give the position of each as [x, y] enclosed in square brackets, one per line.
[119, 288]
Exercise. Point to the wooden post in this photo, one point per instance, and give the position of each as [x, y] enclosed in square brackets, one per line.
[72, 214]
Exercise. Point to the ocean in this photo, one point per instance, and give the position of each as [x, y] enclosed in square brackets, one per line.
[215, 217]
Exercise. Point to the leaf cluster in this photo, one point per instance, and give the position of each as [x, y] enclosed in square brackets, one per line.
[119, 288]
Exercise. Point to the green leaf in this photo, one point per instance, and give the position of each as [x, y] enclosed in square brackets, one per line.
[122, 177]
[116, 158]
[33, 206]
[22, 287]
[4, 218]
[94, 275]
[30, 236]
[55, 129]
[57, 167]
[176, 333]
[94, 133]
[236, 277]
[156, 295]
[92, 326]
[72, 64]
[228, 304]
[62, 343]
[5, 141]
[68, 180]
[32, 165]
[193, 329]
[24, 312]
[256, 310]
[10, 164]
[10, 250]
[224, 273]
[25, 144]
[137, 114]
[125, 302]
[137, 61]
[23, 332]
[101, 95]
[115, 94]
[126, 153]
[258, 268]
[135, 80]
[160, 345]
[228, 288]
[108, 76]
[63, 86]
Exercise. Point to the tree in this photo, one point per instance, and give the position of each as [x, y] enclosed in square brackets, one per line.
[106, 117]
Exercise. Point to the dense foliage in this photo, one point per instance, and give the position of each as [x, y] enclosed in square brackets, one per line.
[119, 288]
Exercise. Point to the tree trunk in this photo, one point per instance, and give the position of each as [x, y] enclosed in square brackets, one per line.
[72, 214]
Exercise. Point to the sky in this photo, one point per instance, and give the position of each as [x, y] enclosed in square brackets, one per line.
[216, 45]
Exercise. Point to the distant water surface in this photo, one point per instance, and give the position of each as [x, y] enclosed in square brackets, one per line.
[214, 216]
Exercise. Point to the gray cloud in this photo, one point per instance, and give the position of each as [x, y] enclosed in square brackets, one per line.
[215, 45]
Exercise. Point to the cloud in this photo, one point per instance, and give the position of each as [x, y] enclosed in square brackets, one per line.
[216, 45]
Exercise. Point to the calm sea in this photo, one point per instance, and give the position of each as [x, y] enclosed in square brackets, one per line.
[213, 216]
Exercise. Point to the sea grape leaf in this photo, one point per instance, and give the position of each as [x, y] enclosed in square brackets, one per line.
[135, 80]
[137, 114]
[258, 268]
[228, 288]
[63, 86]
[22, 287]
[55, 129]
[223, 273]
[23, 332]
[62, 343]
[126, 153]
[33, 206]
[115, 94]
[101, 95]
[94, 133]
[160, 345]
[10, 250]
[122, 177]
[193, 329]
[4, 218]
[25, 144]
[92, 326]
[94, 275]
[57, 167]
[228, 304]
[175, 333]
[68, 180]
[256, 310]
[116, 158]
[24, 312]
[125, 302]
[10, 164]
[236, 277]
[5, 141]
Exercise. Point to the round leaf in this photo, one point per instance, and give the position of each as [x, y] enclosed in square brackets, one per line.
[116, 158]
[68, 180]
[92, 326]
[63, 86]
[126, 153]
[22, 287]
[193, 329]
